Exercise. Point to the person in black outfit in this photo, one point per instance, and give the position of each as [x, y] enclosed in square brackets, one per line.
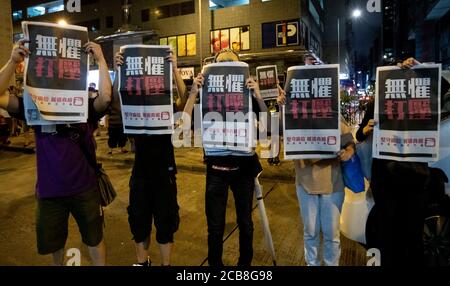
[399, 194]
[116, 136]
[230, 171]
[153, 187]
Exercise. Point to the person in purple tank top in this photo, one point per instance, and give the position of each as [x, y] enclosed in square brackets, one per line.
[66, 182]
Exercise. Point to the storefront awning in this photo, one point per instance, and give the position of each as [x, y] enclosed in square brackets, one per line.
[125, 35]
[275, 55]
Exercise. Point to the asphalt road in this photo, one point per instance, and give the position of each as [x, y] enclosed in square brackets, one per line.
[17, 219]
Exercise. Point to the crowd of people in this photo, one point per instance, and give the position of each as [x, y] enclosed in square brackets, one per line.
[153, 186]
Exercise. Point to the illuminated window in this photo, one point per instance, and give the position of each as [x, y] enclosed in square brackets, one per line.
[184, 45]
[216, 4]
[212, 5]
[46, 8]
[17, 15]
[181, 45]
[163, 41]
[55, 8]
[191, 44]
[172, 41]
[237, 38]
[35, 11]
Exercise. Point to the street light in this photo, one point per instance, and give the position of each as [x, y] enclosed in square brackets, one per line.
[356, 13]
[62, 22]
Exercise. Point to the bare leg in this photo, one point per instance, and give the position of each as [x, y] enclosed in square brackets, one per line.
[26, 135]
[165, 250]
[98, 254]
[58, 257]
[142, 250]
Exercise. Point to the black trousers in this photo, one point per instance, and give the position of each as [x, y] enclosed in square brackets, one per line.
[242, 186]
[116, 137]
[399, 191]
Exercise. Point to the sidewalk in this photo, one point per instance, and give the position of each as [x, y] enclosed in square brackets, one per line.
[17, 144]
[191, 160]
[187, 159]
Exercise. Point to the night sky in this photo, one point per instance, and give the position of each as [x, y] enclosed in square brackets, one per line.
[365, 28]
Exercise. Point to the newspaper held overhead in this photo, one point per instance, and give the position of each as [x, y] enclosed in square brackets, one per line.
[145, 88]
[407, 110]
[311, 116]
[56, 71]
[267, 79]
[226, 110]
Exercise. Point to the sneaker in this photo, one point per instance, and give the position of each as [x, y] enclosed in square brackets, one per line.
[276, 161]
[146, 263]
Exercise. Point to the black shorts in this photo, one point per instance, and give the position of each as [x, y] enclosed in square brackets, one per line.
[155, 199]
[52, 217]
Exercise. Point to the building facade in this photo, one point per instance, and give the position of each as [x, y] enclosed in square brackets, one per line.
[5, 31]
[339, 30]
[262, 32]
[419, 29]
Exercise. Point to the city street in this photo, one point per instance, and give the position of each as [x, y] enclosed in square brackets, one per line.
[17, 214]
[354, 93]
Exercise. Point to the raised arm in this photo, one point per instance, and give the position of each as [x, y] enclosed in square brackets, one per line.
[179, 83]
[18, 54]
[253, 86]
[103, 99]
[189, 106]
